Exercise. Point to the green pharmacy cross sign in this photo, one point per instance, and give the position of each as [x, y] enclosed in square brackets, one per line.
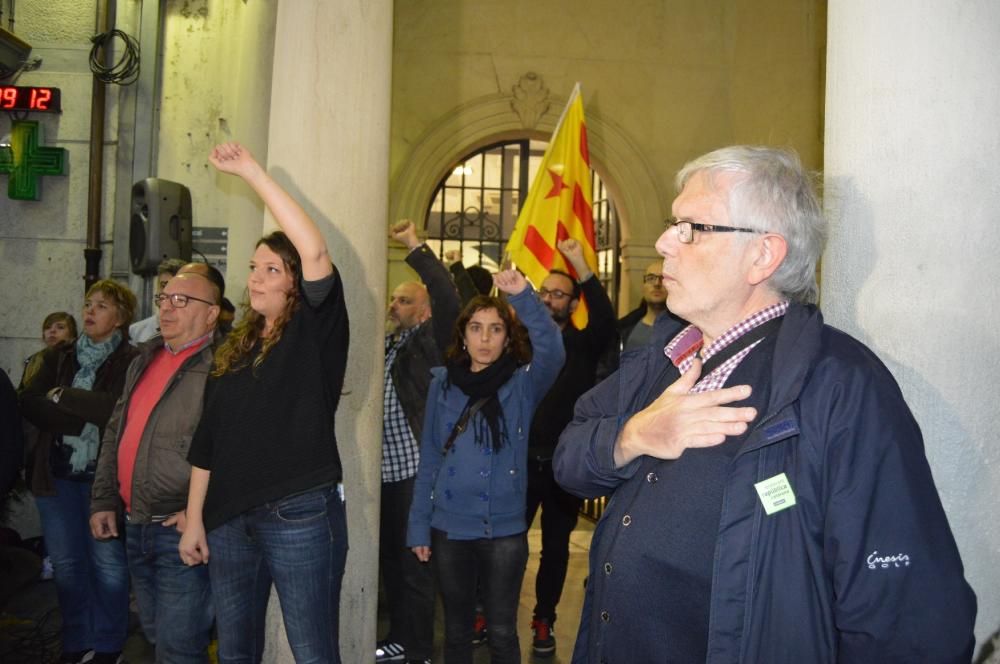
[25, 161]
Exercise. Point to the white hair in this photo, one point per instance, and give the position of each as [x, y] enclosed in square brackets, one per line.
[776, 195]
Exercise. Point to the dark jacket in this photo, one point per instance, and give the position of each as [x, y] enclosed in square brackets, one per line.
[858, 570]
[583, 351]
[76, 406]
[11, 437]
[161, 473]
[424, 348]
[475, 492]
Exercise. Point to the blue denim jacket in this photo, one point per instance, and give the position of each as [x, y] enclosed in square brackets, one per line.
[476, 492]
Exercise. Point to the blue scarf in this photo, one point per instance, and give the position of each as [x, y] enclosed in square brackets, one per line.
[90, 356]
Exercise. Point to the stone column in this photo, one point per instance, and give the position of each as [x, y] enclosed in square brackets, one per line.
[329, 145]
[912, 137]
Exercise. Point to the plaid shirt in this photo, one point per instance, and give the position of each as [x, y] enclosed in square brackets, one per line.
[400, 450]
[683, 347]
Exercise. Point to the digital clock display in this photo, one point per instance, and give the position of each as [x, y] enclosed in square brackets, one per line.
[24, 98]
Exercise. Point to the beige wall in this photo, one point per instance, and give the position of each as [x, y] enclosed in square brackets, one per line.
[663, 81]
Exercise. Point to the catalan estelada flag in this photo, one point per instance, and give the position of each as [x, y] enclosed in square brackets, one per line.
[558, 205]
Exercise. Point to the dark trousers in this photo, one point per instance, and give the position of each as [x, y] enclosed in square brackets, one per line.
[559, 514]
[408, 583]
[499, 565]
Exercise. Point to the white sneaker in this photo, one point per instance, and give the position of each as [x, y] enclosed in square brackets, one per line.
[387, 651]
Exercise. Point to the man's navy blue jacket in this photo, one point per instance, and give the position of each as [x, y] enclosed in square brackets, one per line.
[863, 568]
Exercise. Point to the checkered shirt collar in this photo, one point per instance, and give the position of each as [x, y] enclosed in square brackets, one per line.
[683, 347]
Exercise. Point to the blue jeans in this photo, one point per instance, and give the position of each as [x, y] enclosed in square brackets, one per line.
[175, 601]
[499, 564]
[91, 575]
[299, 543]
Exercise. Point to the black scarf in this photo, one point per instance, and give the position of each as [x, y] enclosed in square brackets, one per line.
[485, 384]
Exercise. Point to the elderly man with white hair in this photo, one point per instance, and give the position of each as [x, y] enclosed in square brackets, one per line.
[772, 501]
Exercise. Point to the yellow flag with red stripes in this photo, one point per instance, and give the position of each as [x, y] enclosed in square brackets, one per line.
[558, 205]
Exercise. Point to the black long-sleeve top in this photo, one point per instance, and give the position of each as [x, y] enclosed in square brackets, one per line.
[268, 432]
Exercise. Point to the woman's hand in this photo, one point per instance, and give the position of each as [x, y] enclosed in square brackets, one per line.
[511, 282]
[194, 545]
[423, 553]
[235, 159]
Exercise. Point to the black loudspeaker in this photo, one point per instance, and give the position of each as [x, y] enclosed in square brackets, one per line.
[160, 226]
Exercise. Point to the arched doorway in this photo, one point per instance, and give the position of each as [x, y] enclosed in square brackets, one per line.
[476, 203]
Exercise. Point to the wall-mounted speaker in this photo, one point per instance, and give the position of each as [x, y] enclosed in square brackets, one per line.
[160, 226]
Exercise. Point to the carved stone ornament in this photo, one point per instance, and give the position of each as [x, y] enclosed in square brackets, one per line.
[531, 99]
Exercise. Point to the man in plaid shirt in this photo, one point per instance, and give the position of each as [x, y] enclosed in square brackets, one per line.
[416, 343]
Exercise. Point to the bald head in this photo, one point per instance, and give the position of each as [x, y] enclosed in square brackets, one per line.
[182, 325]
[409, 306]
[211, 274]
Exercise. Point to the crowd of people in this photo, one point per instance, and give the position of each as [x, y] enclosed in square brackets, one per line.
[770, 495]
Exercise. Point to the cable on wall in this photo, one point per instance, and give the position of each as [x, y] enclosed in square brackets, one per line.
[123, 72]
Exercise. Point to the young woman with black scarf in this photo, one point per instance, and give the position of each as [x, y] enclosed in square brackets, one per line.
[469, 496]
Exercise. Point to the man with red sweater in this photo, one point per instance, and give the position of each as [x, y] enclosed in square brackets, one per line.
[142, 469]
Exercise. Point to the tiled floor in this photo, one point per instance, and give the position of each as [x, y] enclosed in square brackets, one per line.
[29, 628]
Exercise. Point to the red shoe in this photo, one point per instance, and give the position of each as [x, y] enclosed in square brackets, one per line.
[544, 643]
[479, 636]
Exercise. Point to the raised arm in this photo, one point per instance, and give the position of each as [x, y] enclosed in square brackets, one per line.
[572, 251]
[445, 304]
[235, 159]
[547, 351]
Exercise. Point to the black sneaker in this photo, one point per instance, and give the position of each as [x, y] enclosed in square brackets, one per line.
[388, 651]
[544, 643]
[108, 658]
[81, 657]
[479, 634]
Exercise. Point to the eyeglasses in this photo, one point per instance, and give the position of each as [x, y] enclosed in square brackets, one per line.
[179, 300]
[556, 293]
[686, 229]
[652, 279]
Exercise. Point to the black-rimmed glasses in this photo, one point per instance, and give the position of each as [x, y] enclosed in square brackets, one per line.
[179, 300]
[686, 229]
[555, 292]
